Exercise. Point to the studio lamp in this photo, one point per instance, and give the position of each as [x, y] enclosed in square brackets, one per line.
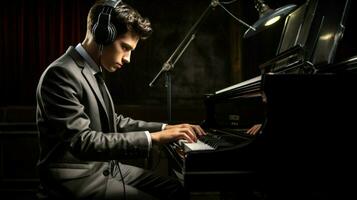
[267, 16]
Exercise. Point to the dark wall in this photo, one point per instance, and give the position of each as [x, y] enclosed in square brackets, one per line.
[203, 67]
[37, 32]
[34, 33]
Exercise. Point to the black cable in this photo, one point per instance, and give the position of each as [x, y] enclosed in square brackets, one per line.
[122, 179]
[114, 164]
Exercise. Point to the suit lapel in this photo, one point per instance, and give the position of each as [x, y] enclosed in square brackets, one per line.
[91, 80]
[94, 85]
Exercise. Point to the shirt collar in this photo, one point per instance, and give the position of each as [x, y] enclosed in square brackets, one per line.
[93, 66]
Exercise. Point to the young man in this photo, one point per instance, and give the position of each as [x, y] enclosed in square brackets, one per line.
[82, 139]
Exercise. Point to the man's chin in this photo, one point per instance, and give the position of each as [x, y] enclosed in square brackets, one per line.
[112, 69]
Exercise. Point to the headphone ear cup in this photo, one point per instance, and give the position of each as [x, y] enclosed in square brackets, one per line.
[112, 33]
[103, 30]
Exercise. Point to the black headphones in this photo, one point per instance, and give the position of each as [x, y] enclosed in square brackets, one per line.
[103, 30]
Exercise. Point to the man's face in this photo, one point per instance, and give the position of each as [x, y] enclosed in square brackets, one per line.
[118, 53]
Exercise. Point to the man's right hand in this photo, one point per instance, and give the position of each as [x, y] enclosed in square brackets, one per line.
[176, 132]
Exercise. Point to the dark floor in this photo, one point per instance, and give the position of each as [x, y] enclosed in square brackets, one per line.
[30, 195]
[18, 195]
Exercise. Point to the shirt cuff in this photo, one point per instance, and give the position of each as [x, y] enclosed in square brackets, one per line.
[148, 135]
[163, 126]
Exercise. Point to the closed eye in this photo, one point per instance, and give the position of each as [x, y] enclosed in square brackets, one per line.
[126, 47]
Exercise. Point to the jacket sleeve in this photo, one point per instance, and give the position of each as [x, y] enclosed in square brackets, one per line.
[63, 120]
[127, 124]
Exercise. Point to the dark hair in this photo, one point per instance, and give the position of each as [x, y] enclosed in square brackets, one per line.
[124, 18]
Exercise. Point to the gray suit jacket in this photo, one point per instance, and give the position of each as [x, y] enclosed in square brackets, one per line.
[74, 151]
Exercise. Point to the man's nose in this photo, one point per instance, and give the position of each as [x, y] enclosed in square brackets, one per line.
[126, 58]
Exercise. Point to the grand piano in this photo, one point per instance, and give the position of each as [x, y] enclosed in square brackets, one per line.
[305, 104]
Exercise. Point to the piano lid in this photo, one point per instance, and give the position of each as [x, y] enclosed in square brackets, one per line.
[248, 84]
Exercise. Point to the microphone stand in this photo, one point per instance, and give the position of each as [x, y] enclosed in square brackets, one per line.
[168, 66]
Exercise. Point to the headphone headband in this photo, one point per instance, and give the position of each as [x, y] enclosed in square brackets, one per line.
[111, 3]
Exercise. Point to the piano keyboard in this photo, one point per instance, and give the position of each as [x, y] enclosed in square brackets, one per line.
[207, 142]
[194, 146]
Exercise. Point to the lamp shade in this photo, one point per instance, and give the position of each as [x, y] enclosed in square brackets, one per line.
[267, 16]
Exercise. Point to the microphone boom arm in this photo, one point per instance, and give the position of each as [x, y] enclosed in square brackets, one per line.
[181, 48]
[190, 36]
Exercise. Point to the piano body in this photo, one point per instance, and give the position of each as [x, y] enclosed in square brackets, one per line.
[305, 147]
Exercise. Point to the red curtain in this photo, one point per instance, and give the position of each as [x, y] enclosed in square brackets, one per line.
[33, 34]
